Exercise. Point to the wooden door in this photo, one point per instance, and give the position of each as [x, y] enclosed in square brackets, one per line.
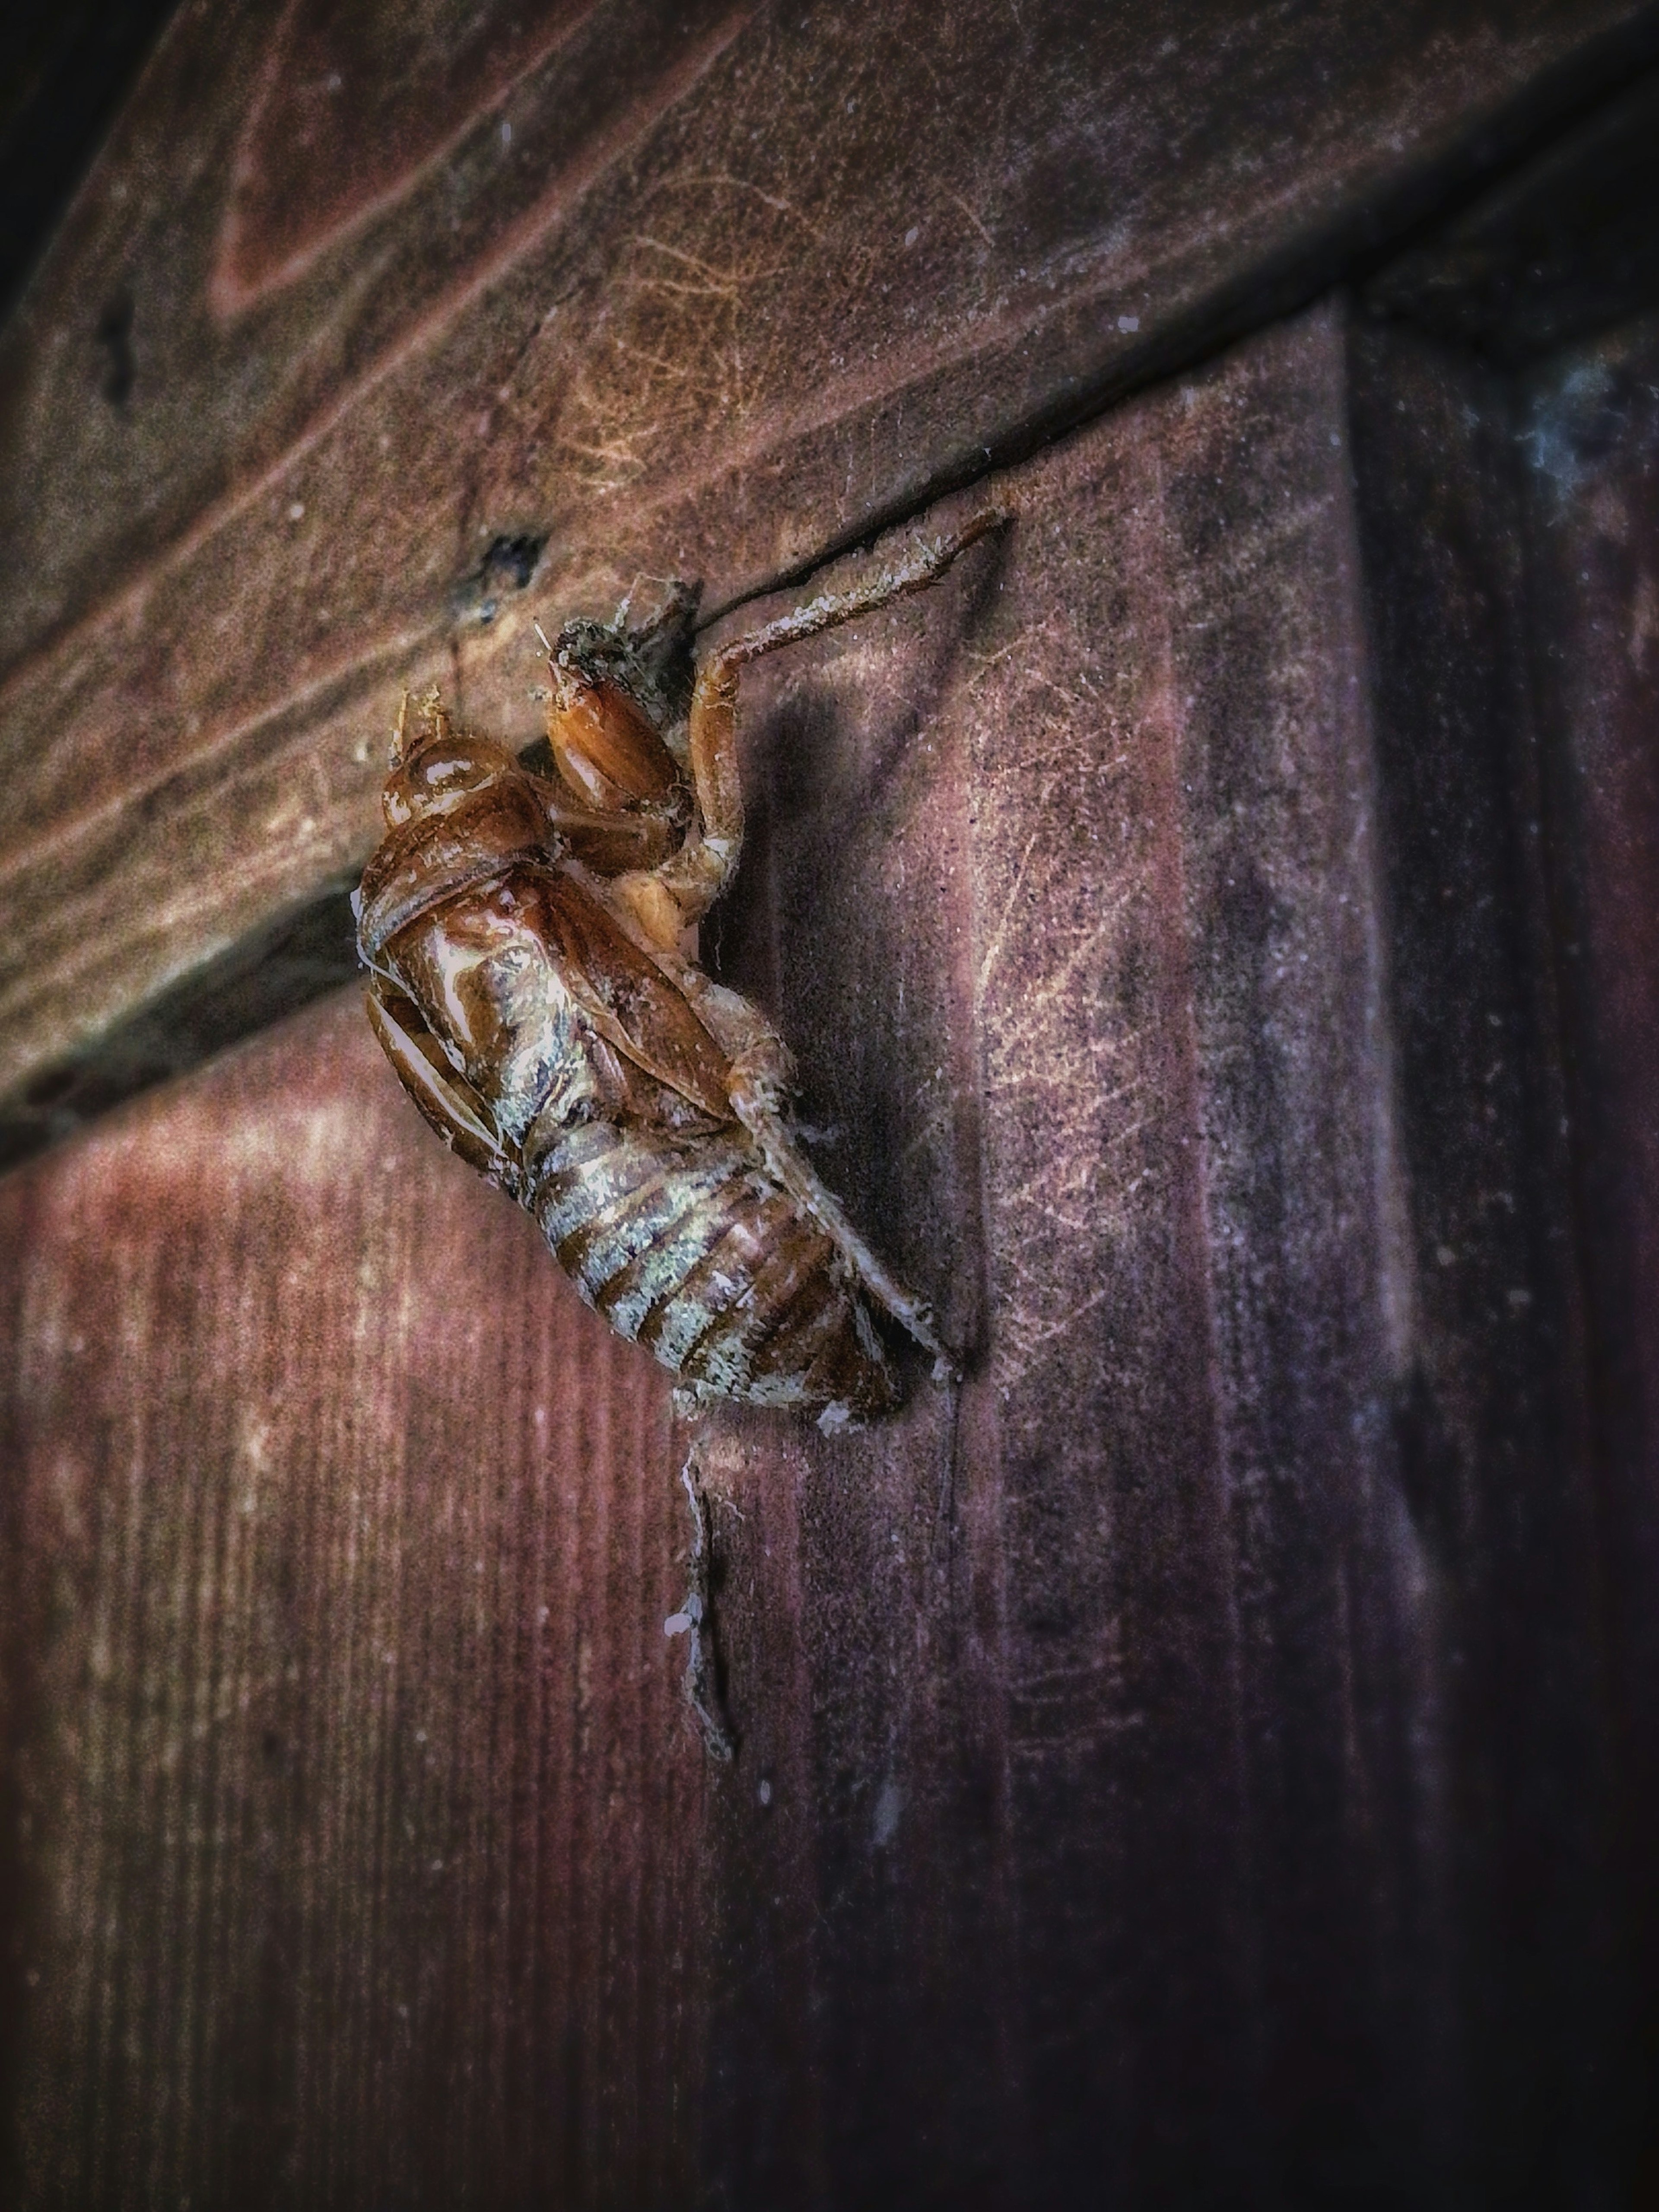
[1209, 1757]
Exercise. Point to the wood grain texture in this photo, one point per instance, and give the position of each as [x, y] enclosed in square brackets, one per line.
[353, 1804]
[1168, 1767]
[707, 288]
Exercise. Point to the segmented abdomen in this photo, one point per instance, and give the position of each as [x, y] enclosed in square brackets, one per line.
[686, 1245]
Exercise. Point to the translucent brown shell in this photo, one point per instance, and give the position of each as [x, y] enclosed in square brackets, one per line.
[531, 986]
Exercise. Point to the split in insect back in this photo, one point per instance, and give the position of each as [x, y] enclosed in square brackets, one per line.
[527, 936]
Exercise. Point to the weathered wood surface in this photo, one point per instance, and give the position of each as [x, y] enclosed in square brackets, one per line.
[1560, 250]
[709, 287]
[66, 66]
[1494, 1421]
[1590, 427]
[1158, 1780]
[1161, 1957]
[347, 1792]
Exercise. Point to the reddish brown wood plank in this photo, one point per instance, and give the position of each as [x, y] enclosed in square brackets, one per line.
[1163, 1947]
[355, 1795]
[705, 288]
[1224, 1727]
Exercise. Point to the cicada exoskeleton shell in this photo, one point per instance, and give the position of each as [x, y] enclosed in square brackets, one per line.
[532, 984]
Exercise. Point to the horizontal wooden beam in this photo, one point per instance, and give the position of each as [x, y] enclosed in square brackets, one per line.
[698, 290]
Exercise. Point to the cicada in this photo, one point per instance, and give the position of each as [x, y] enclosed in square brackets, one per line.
[529, 936]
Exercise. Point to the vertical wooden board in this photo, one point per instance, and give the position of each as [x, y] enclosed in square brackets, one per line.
[1492, 1426]
[1592, 439]
[1123, 1787]
[356, 1801]
[1300, 1205]
[1235, 1322]
[878, 1663]
[1117, 1785]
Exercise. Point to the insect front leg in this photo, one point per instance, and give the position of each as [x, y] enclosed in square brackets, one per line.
[801, 1180]
[704, 866]
[696, 875]
[760, 1086]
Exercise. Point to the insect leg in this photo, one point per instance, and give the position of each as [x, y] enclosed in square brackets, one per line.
[695, 1620]
[760, 1080]
[700, 872]
[801, 1180]
[922, 562]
